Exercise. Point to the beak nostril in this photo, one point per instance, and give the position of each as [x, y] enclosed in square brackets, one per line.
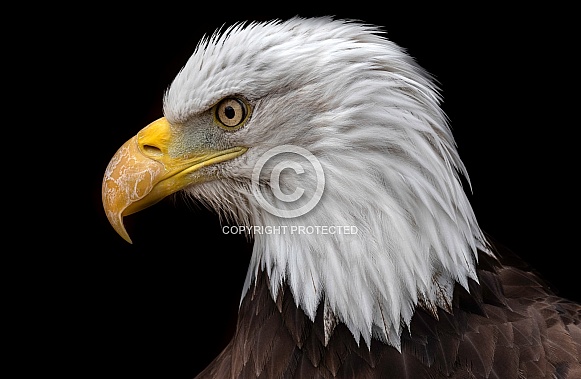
[151, 151]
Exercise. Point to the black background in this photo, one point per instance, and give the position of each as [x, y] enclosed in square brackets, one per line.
[165, 306]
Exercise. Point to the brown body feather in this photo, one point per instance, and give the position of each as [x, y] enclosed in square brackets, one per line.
[510, 325]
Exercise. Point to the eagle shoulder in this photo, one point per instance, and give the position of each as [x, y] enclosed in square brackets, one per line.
[509, 324]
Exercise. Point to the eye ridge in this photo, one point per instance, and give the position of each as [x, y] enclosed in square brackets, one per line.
[231, 113]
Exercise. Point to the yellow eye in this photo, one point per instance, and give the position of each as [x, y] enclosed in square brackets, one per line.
[231, 113]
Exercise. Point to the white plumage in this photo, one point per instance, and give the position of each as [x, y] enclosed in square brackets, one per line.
[411, 275]
[371, 116]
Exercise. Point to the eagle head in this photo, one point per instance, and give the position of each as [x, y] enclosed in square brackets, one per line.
[264, 118]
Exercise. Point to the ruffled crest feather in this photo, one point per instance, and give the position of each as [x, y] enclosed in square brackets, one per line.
[372, 118]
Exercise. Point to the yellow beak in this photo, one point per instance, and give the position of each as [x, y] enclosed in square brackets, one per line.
[142, 172]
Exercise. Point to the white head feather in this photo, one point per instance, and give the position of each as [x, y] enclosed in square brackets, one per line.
[371, 116]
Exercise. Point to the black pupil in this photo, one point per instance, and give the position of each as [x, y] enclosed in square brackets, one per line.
[229, 112]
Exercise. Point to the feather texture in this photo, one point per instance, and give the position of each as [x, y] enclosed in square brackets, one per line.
[371, 116]
[418, 283]
[531, 333]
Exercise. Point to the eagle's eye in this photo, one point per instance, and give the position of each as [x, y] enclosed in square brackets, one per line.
[231, 113]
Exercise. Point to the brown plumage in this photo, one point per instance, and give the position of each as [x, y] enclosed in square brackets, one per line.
[411, 290]
[511, 325]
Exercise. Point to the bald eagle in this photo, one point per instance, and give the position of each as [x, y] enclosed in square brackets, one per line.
[325, 142]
